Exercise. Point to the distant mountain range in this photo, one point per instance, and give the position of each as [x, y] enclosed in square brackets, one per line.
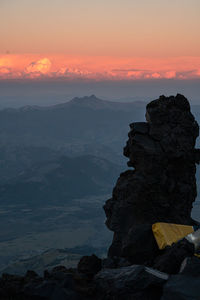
[60, 180]
[64, 151]
[88, 101]
[81, 120]
[33, 138]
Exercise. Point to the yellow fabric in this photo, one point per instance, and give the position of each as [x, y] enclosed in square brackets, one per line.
[166, 233]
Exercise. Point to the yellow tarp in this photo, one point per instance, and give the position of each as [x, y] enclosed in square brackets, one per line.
[167, 233]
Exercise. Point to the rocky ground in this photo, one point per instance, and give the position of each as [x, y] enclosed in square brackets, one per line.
[97, 279]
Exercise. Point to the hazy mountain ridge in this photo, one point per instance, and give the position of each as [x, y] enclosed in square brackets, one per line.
[87, 101]
[60, 180]
[77, 120]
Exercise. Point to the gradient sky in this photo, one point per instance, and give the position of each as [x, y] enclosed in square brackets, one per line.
[110, 39]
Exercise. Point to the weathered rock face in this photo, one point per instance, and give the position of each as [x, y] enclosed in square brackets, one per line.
[162, 186]
[133, 282]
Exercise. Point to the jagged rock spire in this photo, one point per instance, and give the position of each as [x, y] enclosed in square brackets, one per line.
[162, 185]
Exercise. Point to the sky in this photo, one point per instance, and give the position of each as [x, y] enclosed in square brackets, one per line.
[99, 40]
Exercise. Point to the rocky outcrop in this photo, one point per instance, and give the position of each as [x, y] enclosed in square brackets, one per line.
[133, 282]
[161, 187]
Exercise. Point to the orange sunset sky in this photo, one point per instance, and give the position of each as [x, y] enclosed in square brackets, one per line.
[98, 40]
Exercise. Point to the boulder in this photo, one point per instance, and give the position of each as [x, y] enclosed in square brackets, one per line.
[172, 257]
[89, 265]
[133, 282]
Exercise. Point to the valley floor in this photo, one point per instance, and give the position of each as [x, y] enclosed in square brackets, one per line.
[30, 231]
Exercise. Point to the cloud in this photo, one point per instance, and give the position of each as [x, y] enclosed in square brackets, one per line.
[72, 73]
[5, 70]
[5, 62]
[96, 69]
[41, 66]
[188, 74]
[129, 70]
[156, 75]
[170, 74]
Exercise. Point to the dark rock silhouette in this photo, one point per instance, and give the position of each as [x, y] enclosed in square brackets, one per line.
[133, 282]
[89, 265]
[162, 186]
[170, 260]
